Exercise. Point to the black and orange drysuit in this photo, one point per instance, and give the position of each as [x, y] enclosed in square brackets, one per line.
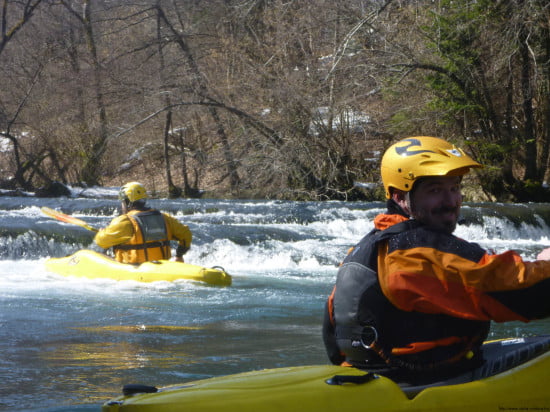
[411, 297]
[144, 235]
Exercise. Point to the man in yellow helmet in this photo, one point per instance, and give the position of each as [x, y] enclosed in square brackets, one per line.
[411, 297]
[142, 234]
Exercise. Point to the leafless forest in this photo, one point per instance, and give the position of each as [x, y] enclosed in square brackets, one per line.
[288, 99]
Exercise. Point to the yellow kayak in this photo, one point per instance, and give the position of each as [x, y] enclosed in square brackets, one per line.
[93, 265]
[514, 376]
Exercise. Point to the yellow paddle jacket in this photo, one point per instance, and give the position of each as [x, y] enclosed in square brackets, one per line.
[143, 235]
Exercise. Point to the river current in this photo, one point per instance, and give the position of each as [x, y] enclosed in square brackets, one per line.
[71, 344]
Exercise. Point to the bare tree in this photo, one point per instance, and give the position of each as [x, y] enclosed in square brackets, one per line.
[173, 191]
[93, 157]
[202, 92]
[271, 98]
[14, 16]
[12, 21]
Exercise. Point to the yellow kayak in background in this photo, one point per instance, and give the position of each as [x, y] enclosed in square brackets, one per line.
[93, 265]
[514, 376]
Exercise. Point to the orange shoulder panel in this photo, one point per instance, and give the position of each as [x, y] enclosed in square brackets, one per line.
[430, 281]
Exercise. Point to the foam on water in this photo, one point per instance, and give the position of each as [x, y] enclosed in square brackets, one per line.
[94, 335]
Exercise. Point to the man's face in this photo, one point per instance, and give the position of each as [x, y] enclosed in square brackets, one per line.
[436, 201]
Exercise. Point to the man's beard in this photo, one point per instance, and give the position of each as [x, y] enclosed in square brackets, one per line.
[434, 219]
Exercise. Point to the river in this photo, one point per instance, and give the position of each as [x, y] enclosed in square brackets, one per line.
[71, 344]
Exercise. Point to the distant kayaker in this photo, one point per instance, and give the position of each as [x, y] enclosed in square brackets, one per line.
[142, 234]
[413, 300]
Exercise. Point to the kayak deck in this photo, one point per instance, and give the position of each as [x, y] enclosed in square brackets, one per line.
[93, 265]
[514, 377]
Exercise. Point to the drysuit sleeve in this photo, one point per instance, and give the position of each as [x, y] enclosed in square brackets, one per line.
[501, 287]
[119, 231]
[180, 232]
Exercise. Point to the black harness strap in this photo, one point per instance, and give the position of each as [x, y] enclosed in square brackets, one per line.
[143, 245]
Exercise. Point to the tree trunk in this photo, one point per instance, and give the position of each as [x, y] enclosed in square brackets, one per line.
[545, 93]
[173, 191]
[529, 123]
[90, 171]
[231, 164]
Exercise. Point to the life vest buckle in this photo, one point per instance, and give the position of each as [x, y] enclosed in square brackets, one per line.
[369, 336]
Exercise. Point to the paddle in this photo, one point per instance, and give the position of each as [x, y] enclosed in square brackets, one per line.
[66, 218]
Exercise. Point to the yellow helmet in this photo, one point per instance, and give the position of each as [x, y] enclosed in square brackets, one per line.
[410, 159]
[132, 192]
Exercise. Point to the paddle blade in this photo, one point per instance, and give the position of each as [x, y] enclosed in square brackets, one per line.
[66, 218]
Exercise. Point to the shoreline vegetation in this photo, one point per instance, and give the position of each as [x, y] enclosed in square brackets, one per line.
[372, 192]
[269, 99]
